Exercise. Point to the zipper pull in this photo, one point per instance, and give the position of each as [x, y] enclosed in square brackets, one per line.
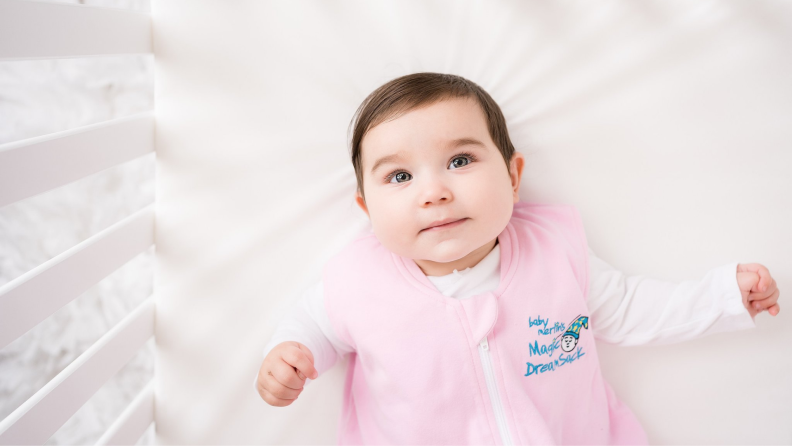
[484, 344]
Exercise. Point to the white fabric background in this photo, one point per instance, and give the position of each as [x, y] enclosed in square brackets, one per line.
[665, 122]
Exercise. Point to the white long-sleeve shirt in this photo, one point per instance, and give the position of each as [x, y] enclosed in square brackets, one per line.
[624, 310]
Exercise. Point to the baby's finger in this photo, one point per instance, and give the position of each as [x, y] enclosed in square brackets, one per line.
[308, 353]
[273, 400]
[769, 290]
[284, 374]
[301, 360]
[761, 304]
[762, 271]
[270, 389]
[764, 278]
[282, 382]
[747, 281]
[771, 287]
[774, 309]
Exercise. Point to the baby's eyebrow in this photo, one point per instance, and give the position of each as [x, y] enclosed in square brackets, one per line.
[453, 144]
[385, 159]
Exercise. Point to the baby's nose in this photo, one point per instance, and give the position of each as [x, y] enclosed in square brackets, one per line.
[441, 199]
[435, 192]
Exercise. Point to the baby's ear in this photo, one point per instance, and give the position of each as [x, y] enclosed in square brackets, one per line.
[361, 202]
[515, 171]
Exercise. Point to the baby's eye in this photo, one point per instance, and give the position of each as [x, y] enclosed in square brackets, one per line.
[460, 161]
[401, 177]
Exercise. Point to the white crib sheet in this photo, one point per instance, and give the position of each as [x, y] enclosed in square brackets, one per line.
[667, 123]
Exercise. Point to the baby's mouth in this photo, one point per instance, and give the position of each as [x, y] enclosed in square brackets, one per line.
[444, 224]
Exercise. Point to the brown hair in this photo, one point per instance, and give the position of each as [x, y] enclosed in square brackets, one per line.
[412, 91]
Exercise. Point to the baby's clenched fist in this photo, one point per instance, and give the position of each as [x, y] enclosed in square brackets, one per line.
[758, 288]
[282, 375]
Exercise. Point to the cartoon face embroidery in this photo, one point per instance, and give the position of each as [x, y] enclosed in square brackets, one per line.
[570, 338]
[568, 342]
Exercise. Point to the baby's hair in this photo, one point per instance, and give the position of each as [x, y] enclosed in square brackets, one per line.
[413, 91]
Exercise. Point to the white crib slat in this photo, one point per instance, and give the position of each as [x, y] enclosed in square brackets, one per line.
[34, 296]
[36, 165]
[32, 29]
[45, 412]
[134, 421]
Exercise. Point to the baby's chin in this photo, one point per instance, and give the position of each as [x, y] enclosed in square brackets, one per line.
[444, 252]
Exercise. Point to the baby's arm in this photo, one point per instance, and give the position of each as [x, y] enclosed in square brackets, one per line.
[634, 310]
[307, 323]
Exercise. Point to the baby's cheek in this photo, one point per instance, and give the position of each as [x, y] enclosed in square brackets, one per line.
[394, 236]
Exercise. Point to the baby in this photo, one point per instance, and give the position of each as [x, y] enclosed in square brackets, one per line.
[469, 316]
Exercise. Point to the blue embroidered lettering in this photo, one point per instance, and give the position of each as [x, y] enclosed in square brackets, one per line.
[535, 349]
[537, 321]
[572, 356]
[531, 369]
[535, 369]
[559, 326]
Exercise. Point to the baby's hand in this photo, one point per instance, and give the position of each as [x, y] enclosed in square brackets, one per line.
[759, 291]
[281, 377]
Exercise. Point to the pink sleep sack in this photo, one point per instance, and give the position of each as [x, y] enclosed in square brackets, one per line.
[514, 366]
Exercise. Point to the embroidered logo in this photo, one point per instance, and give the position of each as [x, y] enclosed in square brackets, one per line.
[567, 341]
[570, 338]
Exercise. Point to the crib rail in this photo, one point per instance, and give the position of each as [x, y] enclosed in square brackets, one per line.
[37, 294]
[39, 164]
[135, 419]
[42, 30]
[35, 30]
[41, 415]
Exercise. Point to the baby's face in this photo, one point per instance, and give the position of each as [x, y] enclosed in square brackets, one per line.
[432, 165]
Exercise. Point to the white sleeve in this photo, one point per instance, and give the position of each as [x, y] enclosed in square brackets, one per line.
[634, 310]
[307, 323]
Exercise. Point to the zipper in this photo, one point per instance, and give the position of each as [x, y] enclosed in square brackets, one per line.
[497, 407]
